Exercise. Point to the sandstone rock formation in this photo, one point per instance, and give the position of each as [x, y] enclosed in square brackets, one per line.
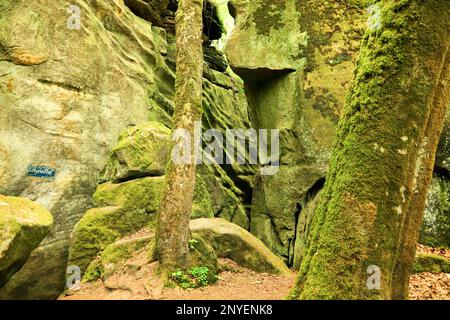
[86, 115]
[23, 225]
[286, 89]
[298, 85]
[68, 93]
[232, 242]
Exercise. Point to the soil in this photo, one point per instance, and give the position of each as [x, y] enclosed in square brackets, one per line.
[137, 280]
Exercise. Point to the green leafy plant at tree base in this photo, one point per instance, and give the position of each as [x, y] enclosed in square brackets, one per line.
[195, 277]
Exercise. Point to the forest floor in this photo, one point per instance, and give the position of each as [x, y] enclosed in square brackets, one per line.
[430, 286]
[137, 281]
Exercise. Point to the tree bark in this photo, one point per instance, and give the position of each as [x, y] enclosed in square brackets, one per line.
[172, 233]
[424, 172]
[372, 204]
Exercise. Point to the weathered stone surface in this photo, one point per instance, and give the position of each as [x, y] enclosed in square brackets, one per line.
[66, 96]
[23, 225]
[150, 10]
[161, 13]
[226, 198]
[141, 151]
[121, 210]
[232, 242]
[296, 84]
[435, 230]
[267, 37]
[277, 204]
[116, 254]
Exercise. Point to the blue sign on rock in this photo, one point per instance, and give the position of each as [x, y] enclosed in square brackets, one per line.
[41, 172]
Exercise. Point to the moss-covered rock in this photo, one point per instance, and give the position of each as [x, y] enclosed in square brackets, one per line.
[140, 194]
[278, 202]
[261, 28]
[141, 151]
[71, 93]
[430, 263]
[232, 242]
[116, 254]
[224, 196]
[202, 254]
[119, 74]
[123, 209]
[23, 225]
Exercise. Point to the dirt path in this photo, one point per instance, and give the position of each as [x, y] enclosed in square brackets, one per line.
[137, 281]
[236, 284]
[430, 286]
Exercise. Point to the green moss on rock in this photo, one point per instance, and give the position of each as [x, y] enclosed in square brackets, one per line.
[124, 209]
[140, 194]
[202, 205]
[141, 151]
[431, 263]
[115, 255]
[23, 225]
[202, 253]
[232, 242]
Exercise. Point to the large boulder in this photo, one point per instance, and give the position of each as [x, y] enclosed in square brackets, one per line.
[121, 210]
[260, 44]
[23, 225]
[140, 152]
[232, 242]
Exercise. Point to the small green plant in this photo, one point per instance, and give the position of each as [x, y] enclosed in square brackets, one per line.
[195, 277]
[201, 274]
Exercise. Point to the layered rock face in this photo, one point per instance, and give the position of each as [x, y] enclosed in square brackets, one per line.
[297, 60]
[300, 66]
[66, 94]
[68, 90]
[86, 117]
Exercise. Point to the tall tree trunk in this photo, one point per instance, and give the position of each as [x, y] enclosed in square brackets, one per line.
[175, 209]
[373, 200]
